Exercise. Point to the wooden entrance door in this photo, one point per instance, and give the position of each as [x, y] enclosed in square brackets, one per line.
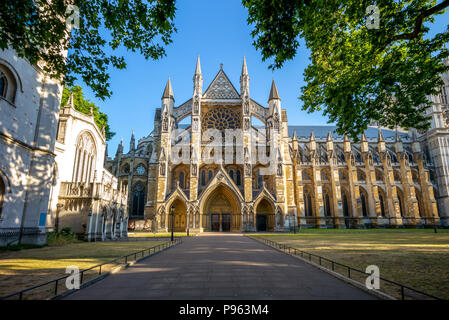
[261, 222]
[226, 222]
[215, 222]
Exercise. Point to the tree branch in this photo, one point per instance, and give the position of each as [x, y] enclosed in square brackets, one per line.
[419, 21]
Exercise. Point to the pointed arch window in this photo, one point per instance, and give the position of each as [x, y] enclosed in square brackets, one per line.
[364, 209]
[203, 177]
[85, 157]
[308, 204]
[231, 174]
[181, 180]
[259, 180]
[138, 200]
[345, 204]
[239, 178]
[327, 205]
[382, 206]
[210, 175]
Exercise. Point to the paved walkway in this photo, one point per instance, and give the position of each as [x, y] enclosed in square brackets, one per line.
[221, 266]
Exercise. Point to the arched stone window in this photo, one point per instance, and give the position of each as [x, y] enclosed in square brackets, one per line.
[344, 199]
[221, 119]
[203, 177]
[231, 174]
[308, 204]
[382, 205]
[361, 175]
[2, 194]
[401, 203]
[364, 209]
[85, 156]
[324, 175]
[259, 180]
[8, 85]
[138, 200]
[239, 178]
[140, 170]
[210, 175]
[327, 204]
[125, 169]
[305, 175]
[181, 180]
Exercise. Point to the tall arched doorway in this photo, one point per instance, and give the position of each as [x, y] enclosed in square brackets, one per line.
[221, 211]
[180, 218]
[265, 218]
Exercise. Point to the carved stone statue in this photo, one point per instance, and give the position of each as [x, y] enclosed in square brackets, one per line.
[165, 121]
[162, 169]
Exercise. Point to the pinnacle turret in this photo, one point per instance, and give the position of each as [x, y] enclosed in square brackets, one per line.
[273, 92]
[168, 91]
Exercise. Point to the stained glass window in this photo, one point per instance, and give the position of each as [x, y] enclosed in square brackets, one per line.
[221, 119]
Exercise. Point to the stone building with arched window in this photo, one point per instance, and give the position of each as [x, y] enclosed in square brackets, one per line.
[315, 177]
[86, 197]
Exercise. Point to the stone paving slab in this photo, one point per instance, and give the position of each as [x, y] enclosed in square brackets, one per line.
[221, 266]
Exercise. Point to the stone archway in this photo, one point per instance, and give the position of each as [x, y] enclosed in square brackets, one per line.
[265, 217]
[180, 218]
[221, 211]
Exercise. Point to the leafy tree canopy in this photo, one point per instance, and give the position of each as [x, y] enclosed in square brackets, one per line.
[357, 74]
[37, 30]
[85, 106]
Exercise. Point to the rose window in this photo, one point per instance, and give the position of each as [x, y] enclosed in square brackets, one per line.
[221, 119]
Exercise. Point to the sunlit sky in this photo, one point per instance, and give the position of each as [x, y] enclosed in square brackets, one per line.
[219, 33]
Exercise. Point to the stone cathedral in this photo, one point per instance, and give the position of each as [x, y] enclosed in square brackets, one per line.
[389, 178]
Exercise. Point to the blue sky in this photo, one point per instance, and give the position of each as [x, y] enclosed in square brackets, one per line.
[218, 32]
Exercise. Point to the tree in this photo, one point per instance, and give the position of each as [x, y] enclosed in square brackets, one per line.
[44, 30]
[86, 106]
[358, 74]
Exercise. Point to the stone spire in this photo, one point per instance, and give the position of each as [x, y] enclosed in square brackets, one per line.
[329, 142]
[198, 66]
[295, 140]
[120, 148]
[381, 142]
[132, 143]
[244, 68]
[380, 136]
[168, 91]
[244, 81]
[398, 143]
[273, 92]
[364, 143]
[312, 142]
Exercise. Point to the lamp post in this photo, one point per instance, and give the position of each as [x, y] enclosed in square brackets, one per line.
[172, 212]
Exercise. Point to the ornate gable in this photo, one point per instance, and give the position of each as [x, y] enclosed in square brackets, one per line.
[221, 88]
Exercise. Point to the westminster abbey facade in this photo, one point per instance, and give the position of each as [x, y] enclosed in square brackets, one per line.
[223, 162]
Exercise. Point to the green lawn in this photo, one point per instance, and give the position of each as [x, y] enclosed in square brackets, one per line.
[415, 257]
[26, 268]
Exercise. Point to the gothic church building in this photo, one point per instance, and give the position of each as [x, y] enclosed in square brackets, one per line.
[321, 179]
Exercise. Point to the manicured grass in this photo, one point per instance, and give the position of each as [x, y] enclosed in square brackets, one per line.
[26, 268]
[417, 258]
